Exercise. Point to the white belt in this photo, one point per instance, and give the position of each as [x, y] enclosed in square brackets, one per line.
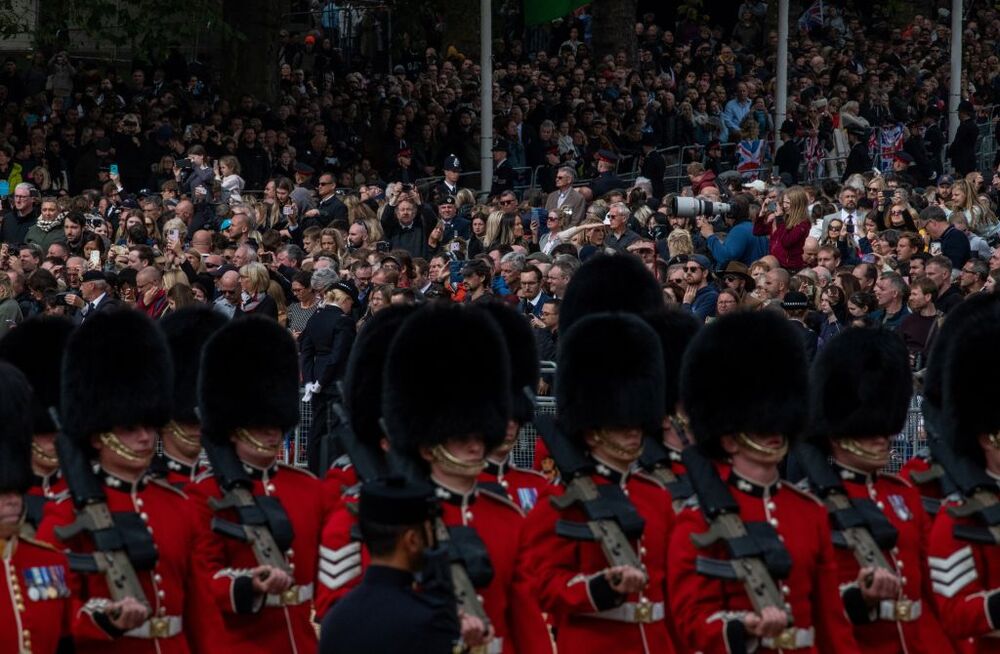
[636, 612]
[903, 610]
[495, 646]
[160, 627]
[292, 597]
[791, 638]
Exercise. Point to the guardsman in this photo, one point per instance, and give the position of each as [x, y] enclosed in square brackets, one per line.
[247, 404]
[110, 410]
[609, 394]
[751, 428]
[35, 603]
[342, 558]
[523, 487]
[387, 609]
[181, 462]
[861, 386]
[36, 348]
[450, 441]
[965, 570]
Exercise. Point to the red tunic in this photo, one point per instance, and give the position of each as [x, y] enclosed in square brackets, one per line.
[35, 605]
[930, 492]
[522, 487]
[176, 472]
[966, 582]
[44, 489]
[246, 622]
[563, 569]
[900, 503]
[169, 587]
[708, 612]
[509, 599]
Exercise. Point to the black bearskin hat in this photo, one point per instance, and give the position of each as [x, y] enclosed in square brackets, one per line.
[860, 386]
[523, 358]
[969, 398]
[363, 378]
[116, 373]
[187, 330]
[610, 375]
[609, 283]
[249, 378]
[760, 360]
[36, 347]
[15, 430]
[675, 328]
[417, 412]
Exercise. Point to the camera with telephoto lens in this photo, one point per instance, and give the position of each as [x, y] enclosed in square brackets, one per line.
[690, 207]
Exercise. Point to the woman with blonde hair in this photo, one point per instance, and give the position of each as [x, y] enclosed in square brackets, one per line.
[174, 277]
[787, 226]
[498, 230]
[358, 211]
[679, 242]
[254, 282]
[963, 199]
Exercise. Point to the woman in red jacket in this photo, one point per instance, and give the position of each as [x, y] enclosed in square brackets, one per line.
[787, 226]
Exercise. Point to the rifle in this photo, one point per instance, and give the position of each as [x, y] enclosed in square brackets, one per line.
[655, 459]
[976, 487]
[119, 539]
[465, 553]
[857, 523]
[365, 463]
[611, 518]
[263, 522]
[757, 555]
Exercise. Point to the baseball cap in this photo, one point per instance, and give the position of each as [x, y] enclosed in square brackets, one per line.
[756, 185]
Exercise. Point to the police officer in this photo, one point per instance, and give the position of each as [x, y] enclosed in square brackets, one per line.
[111, 408]
[503, 172]
[342, 559]
[35, 603]
[36, 347]
[449, 442]
[385, 613]
[964, 568]
[248, 403]
[750, 431]
[449, 185]
[181, 461]
[521, 486]
[861, 387]
[609, 399]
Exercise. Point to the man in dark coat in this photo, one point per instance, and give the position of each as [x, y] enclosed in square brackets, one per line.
[653, 166]
[962, 150]
[503, 172]
[858, 161]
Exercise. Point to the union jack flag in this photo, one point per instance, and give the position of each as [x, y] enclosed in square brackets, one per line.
[890, 141]
[812, 17]
[814, 153]
[750, 157]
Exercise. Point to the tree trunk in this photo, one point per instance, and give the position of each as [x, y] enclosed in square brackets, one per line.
[461, 27]
[250, 61]
[614, 27]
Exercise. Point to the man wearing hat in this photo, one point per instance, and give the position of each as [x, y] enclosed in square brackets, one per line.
[858, 159]
[385, 612]
[699, 295]
[902, 167]
[302, 194]
[453, 224]
[181, 463]
[110, 411]
[341, 557]
[95, 296]
[609, 400]
[652, 165]
[520, 486]
[248, 404]
[751, 434]
[452, 168]
[737, 278]
[860, 387]
[450, 442]
[796, 306]
[37, 609]
[566, 198]
[606, 179]
[503, 171]
[36, 348]
[966, 571]
[962, 150]
[405, 171]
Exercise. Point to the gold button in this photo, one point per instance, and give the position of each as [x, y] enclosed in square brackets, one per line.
[159, 627]
[291, 596]
[786, 640]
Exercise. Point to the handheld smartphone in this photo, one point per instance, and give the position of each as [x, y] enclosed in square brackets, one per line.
[174, 234]
[868, 258]
[4, 188]
[383, 246]
[95, 258]
[113, 169]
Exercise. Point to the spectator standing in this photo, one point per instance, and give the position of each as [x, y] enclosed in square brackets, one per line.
[700, 297]
[962, 150]
[924, 320]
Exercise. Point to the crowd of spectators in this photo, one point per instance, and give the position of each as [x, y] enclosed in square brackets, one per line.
[355, 190]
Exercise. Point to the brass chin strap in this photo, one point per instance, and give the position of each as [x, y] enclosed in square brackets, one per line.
[41, 455]
[626, 453]
[112, 442]
[852, 446]
[181, 435]
[256, 444]
[455, 465]
[773, 452]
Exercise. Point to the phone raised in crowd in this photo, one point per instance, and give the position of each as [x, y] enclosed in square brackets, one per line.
[4, 188]
[113, 169]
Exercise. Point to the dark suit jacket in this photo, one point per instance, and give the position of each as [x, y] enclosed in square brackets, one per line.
[324, 345]
[330, 209]
[107, 303]
[503, 178]
[962, 150]
[525, 307]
